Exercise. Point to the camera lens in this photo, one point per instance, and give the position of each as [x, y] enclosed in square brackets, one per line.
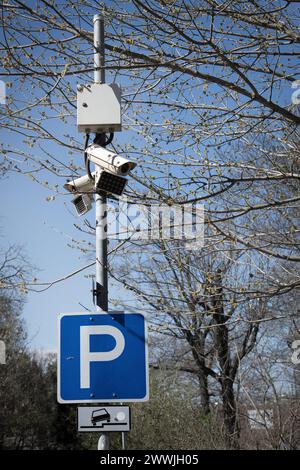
[125, 168]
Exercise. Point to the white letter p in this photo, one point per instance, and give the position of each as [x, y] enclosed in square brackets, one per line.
[86, 356]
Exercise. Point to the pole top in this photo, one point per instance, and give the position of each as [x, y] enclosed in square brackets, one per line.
[98, 17]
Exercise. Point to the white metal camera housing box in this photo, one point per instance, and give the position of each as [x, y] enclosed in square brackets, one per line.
[99, 108]
[108, 160]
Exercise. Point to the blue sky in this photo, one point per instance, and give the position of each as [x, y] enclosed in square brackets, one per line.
[45, 229]
[42, 228]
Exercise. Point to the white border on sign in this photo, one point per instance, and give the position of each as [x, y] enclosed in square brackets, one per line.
[114, 400]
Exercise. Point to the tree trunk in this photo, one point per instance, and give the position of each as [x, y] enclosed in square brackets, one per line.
[230, 415]
[197, 345]
[222, 346]
[204, 395]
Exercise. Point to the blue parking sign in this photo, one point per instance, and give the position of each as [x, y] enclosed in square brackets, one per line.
[102, 357]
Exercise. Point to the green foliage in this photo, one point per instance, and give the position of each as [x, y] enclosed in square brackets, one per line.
[171, 419]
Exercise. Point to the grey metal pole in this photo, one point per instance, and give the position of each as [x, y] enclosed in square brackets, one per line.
[99, 49]
[123, 440]
[101, 209]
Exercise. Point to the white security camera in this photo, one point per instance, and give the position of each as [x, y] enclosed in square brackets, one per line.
[81, 185]
[108, 160]
[83, 203]
[101, 181]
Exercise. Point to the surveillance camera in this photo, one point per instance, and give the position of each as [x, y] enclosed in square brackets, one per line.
[83, 203]
[110, 161]
[81, 185]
